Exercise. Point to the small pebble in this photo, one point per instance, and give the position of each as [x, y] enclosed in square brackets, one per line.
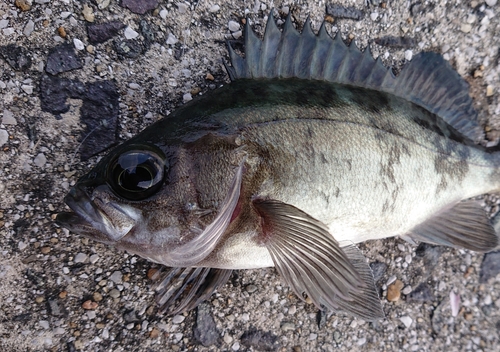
[45, 250]
[394, 291]
[313, 337]
[233, 26]
[374, 16]
[63, 294]
[114, 293]
[214, 8]
[187, 97]
[116, 277]
[97, 297]
[88, 13]
[178, 319]
[171, 40]
[93, 258]
[80, 258]
[287, 326]
[491, 3]
[236, 346]
[40, 160]
[489, 90]
[130, 33]
[408, 55]
[29, 28]
[182, 7]
[153, 334]
[406, 290]
[8, 118]
[466, 28]
[78, 44]
[406, 320]
[251, 288]
[163, 14]
[89, 305]
[44, 324]
[27, 88]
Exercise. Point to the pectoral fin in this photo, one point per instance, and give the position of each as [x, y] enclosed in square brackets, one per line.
[311, 261]
[463, 226]
[182, 289]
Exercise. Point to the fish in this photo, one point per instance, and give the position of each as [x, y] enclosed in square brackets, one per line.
[312, 148]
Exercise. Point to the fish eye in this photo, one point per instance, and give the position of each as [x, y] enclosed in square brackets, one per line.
[137, 174]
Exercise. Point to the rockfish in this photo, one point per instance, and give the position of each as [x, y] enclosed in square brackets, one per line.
[313, 147]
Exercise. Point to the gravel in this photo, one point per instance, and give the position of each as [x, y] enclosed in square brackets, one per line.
[53, 299]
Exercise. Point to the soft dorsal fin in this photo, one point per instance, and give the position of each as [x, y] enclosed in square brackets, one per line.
[428, 80]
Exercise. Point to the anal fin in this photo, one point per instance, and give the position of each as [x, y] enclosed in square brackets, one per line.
[182, 289]
[465, 225]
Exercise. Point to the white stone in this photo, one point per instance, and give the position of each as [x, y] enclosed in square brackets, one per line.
[8, 118]
[29, 28]
[134, 86]
[214, 8]
[94, 258]
[163, 14]
[313, 336]
[466, 28]
[2, 85]
[178, 319]
[187, 97]
[374, 16]
[182, 7]
[65, 14]
[21, 245]
[408, 55]
[491, 3]
[406, 320]
[130, 33]
[4, 24]
[233, 26]
[8, 31]
[78, 44]
[406, 290]
[27, 88]
[80, 258]
[171, 39]
[236, 346]
[116, 277]
[40, 160]
[44, 324]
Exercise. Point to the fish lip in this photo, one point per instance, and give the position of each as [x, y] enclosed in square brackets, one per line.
[85, 216]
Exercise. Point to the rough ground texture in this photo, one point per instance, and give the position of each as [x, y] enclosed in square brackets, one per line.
[60, 292]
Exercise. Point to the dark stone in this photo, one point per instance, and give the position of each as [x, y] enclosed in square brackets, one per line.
[259, 340]
[490, 266]
[54, 91]
[99, 110]
[62, 58]
[129, 48]
[421, 293]
[378, 270]
[488, 309]
[205, 330]
[340, 11]
[71, 346]
[429, 253]
[139, 6]
[25, 317]
[147, 31]
[396, 42]
[54, 308]
[99, 33]
[16, 57]
[130, 317]
[321, 318]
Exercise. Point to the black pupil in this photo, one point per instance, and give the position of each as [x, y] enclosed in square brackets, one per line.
[136, 172]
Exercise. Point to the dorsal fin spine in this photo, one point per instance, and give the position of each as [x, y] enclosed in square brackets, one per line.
[428, 80]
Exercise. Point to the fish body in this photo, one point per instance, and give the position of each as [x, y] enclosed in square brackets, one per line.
[289, 167]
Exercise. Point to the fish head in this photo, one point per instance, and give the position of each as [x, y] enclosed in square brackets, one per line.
[148, 199]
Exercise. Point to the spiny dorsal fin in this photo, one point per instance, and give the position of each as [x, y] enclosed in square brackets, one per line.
[428, 80]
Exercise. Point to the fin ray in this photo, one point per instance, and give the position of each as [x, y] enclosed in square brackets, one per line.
[465, 225]
[428, 80]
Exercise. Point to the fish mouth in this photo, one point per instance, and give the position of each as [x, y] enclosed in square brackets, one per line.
[88, 219]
